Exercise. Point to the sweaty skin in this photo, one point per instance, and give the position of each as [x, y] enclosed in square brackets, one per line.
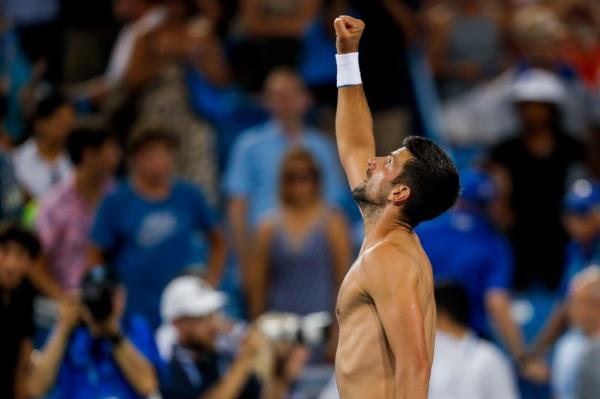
[385, 308]
[386, 315]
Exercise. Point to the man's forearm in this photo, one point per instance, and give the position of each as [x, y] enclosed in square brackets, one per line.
[46, 365]
[138, 371]
[498, 304]
[553, 329]
[353, 123]
[412, 381]
[237, 212]
[22, 368]
[216, 260]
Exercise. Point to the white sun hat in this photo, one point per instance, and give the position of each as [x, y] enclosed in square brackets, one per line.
[190, 296]
[537, 85]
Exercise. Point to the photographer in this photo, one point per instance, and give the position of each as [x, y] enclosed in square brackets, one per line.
[93, 351]
[201, 368]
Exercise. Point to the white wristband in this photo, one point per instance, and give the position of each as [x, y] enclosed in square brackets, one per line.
[348, 70]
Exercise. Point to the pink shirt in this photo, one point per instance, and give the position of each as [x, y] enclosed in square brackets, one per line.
[63, 225]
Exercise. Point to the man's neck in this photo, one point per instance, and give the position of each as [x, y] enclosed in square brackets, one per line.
[48, 149]
[89, 185]
[380, 222]
[291, 127]
[152, 189]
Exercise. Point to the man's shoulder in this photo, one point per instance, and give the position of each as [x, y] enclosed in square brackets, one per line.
[388, 261]
[24, 153]
[256, 136]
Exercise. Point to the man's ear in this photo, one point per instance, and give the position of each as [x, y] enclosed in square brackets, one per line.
[399, 194]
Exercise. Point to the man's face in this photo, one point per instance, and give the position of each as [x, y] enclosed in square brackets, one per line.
[106, 158]
[154, 161]
[57, 126]
[583, 306]
[286, 97]
[198, 331]
[535, 115]
[381, 173]
[14, 264]
[584, 229]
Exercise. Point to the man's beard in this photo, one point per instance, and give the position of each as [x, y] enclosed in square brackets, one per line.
[361, 194]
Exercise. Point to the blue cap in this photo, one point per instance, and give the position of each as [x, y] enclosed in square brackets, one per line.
[583, 196]
[478, 188]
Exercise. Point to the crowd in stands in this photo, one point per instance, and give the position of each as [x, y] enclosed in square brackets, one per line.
[170, 190]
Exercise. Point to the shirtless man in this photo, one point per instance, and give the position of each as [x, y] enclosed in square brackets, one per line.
[385, 309]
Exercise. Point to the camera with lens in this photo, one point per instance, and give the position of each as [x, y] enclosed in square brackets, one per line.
[311, 330]
[97, 291]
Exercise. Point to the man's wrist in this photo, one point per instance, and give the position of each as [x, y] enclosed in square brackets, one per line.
[348, 69]
[115, 338]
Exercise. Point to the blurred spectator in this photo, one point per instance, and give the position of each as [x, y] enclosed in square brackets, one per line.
[533, 170]
[539, 36]
[581, 218]
[200, 368]
[271, 31]
[39, 31]
[465, 46]
[41, 162]
[11, 195]
[66, 213]
[390, 88]
[18, 250]
[148, 227]
[464, 366]
[481, 259]
[316, 64]
[108, 355]
[251, 179]
[583, 304]
[304, 250]
[140, 16]
[88, 30]
[487, 114]
[155, 79]
[582, 45]
[15, 73]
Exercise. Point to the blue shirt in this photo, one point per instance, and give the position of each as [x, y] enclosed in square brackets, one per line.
[253, 171]
[466, 249]
[151, 242]
[89, 370]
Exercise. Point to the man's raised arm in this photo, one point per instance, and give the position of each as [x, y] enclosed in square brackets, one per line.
[353, 122]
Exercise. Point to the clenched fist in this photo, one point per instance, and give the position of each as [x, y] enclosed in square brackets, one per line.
[348, 31]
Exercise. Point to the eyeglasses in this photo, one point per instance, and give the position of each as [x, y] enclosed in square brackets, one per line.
[299, 177]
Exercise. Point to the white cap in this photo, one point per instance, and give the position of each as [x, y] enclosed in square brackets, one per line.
[537, 85]
[190, 296]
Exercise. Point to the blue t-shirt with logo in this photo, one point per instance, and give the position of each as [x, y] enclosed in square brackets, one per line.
[151, 242]
[464, 248]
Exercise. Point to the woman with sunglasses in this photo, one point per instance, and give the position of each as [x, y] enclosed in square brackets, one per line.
[303, 250]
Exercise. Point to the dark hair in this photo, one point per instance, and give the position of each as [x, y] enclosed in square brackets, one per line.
[143, 137]
[432, 178]
[13, 232]
[49, 105]
[451, 298]
[293, 155]
[82, 139]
